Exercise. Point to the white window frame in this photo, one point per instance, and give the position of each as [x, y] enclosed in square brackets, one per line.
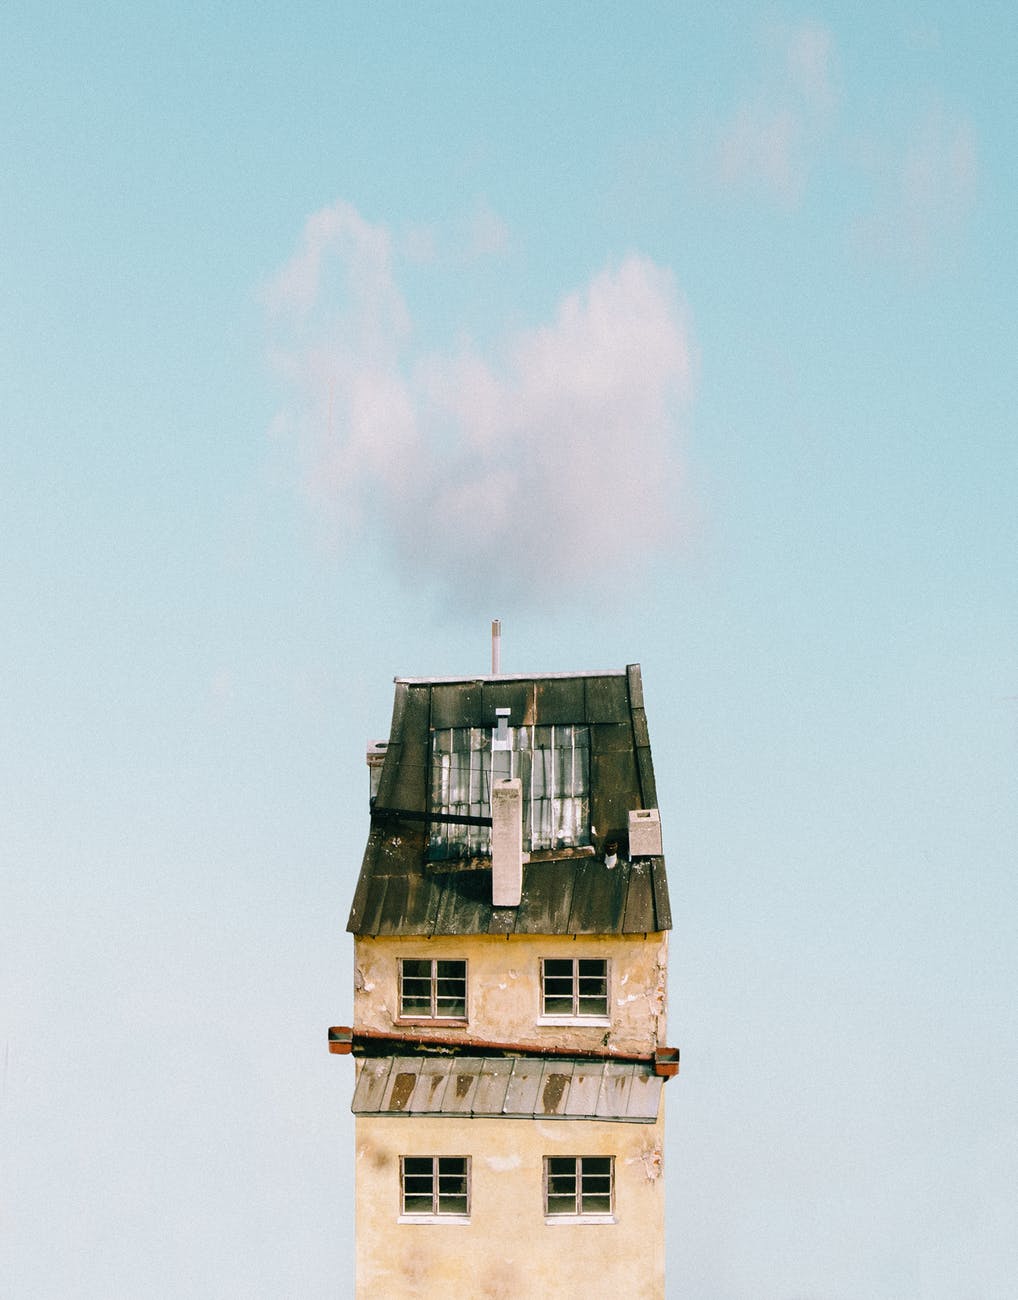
[575, 1017]
[578, 1214]
[433, 1016]
[436, 1214]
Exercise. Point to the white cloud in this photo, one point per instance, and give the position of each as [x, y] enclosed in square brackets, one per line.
[925, 189]
[766, 146]
[918, 174]
[550, 464]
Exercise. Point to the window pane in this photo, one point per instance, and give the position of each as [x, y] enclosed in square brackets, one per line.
[452, 1185]
[436, 1185]
[596, 1185]
[451, 985]
[593, 987]
[561, 1192]
[418, 1185]
[558, 986]
[575, 987]
[415, 987]
[433, 988]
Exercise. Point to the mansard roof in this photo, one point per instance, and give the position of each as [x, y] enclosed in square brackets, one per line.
[565, 891]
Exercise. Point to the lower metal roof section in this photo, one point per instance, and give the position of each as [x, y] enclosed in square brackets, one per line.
[508, 1088]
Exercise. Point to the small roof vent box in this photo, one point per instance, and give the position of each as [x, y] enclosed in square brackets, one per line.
[644, 832]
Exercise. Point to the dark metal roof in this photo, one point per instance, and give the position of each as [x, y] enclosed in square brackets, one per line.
[500, 1087]
[572, 892]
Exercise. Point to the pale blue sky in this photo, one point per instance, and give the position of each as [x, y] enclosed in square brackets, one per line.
[667, 333]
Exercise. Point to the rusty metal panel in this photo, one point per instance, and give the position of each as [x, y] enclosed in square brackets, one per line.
[456, 704]
[634, 678]
[492, 1086]
[372, 1078]
[644, 1096]
[612, 738]
[640, 733]
[516, 696]
[554, 1089]
[374, 905]
[524, 1085]
[399, 703]
[607, 699]
[561, 701]
[604, 902]
[365, 885]
[639, 915]
[421, 906]
[400, 1084]
[410, 783]
[614, 786]
[390, 768]
[427, 1098]
[616, 1085]
[583, 918]
[393, 912]
[662, 902]
[465, 905]
[503, 920]
[390, 765]
[584, 1087]
[409, 907]
[645, 768]
[547, 895]
[464, 1073]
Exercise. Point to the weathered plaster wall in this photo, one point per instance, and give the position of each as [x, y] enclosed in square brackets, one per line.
[504, 988]
[508, 1251]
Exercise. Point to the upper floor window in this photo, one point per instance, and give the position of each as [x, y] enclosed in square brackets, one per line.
[579, 1186]
[435, 1186]
[553, 765]
[432, 988]
[574, 986]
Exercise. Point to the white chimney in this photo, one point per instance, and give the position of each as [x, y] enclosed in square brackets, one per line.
[507, 843]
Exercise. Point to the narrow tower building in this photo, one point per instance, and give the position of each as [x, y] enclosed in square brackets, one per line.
[510, 931]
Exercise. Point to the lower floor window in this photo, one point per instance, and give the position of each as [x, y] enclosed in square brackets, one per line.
[435, 1185]
[577, 1185]
[432, 989]
[574, 986]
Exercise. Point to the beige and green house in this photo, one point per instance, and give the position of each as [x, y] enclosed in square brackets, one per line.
[511, 938]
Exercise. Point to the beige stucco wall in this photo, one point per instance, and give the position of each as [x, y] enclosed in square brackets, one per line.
[508, 1251]
[504, 983]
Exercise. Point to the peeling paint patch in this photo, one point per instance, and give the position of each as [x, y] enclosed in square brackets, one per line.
[502, 1164]
[652, 1161]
